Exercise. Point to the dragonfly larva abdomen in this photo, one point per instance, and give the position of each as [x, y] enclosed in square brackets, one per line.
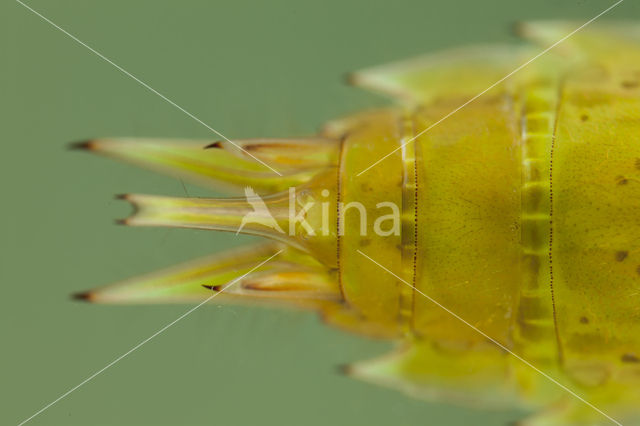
[509, 226]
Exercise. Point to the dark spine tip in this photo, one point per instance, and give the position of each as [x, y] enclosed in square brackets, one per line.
[121, 196]
[121, 222]
[87, 145]
[215, 288]
[84, 296]
[344, 369]
[518, 28]
[351, 78]
[214, 145]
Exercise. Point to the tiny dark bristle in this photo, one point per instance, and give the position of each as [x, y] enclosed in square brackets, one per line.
[121, 222]
[344, 369]
[216, 288]
[214, 145]
[518, 28]
[351, 78]
[121, 196]
[87, 145]
[85, 296]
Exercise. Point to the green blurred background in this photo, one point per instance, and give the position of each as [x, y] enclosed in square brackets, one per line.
[247, 69]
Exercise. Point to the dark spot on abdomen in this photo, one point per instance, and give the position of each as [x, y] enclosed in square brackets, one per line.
[621, 255]
[621, 180]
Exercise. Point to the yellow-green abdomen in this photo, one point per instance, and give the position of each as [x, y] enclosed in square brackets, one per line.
[529, 227]
[468, 218]
[596, 228]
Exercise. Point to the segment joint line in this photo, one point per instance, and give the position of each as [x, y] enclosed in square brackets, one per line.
[492, 86]
[494, 341]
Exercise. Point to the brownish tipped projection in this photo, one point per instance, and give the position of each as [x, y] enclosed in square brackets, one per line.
[289, 276]
[285, 154]
[302, 217]
[233, 165]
